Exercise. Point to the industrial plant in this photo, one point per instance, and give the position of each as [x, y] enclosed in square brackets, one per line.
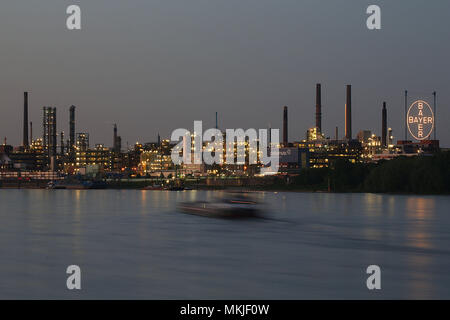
[49, 157]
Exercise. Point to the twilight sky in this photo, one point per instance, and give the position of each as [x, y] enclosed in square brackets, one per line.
[155, 65]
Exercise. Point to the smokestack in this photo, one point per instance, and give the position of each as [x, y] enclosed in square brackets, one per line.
[348, 114]
[285, 126]
[434, 122]
[119, 144]
[336, 134]
[269, 139]
[384, 125]
[406, 107]
[25, 120]
[318, 108]
[31, 132]
[269, 136]
[72, 129]
[115, 138]
[62, 143]
[216, 121]
[54, 134]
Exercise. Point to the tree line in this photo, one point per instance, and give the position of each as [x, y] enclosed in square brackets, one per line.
[419, 174]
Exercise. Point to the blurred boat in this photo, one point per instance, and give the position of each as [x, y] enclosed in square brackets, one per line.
[55, 185]
[154, 187]
[232, 207]
[77, 185]
[174, 188]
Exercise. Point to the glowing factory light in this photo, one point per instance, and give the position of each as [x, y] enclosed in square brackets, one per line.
[420, 120]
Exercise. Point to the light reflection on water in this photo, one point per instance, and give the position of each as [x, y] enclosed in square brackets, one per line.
[135, 244]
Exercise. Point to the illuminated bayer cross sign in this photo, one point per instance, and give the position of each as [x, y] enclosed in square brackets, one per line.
[420, 120]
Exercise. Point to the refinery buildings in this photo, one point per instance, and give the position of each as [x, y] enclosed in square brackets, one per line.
[49, 155]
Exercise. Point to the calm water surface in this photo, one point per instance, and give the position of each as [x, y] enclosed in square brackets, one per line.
[134, 244]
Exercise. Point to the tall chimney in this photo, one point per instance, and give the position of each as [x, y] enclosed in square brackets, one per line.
[25, 120]
[384, 125]
[348, 114]
[434, 121]
[54, 133]
[62, 143]
[71, 146]
[337, 134]
[318, 108]
[269, 137]
[285, 126]
[115, 142]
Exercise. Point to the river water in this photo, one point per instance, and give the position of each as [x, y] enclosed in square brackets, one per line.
[133, 244]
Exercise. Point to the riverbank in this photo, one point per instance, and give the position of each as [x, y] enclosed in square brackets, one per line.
[294, 189]
[424, 175]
